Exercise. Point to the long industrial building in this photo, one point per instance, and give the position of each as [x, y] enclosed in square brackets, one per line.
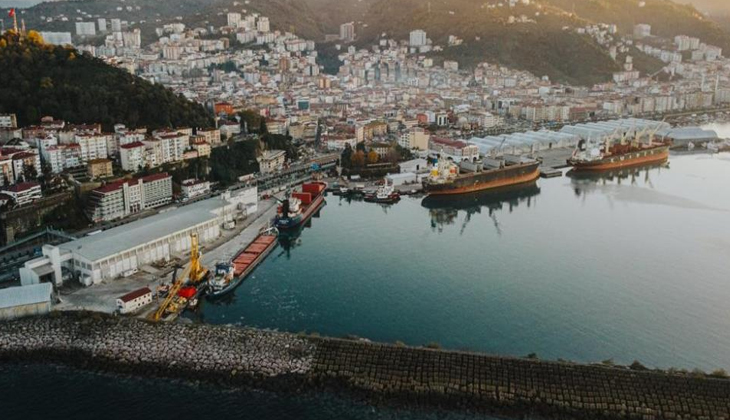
[568, 136]
[112, 253]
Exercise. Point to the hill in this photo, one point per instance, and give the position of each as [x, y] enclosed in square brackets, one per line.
[544, 44]
[542, 40]
[38, 79]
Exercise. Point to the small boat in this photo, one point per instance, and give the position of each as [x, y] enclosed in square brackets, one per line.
[385, 194]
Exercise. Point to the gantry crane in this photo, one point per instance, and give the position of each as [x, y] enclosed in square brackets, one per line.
[194, 273]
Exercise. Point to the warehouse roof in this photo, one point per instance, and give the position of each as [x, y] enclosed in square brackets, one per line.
[25, 295]
[131, 235]
[688, 133]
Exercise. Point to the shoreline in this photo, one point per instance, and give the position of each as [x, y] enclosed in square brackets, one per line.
[381, 373]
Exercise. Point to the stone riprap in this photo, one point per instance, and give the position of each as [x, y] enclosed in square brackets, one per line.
[380, 372]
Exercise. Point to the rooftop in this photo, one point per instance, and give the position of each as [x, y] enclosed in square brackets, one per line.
[143, 231]
[25, 295]
[22, 186]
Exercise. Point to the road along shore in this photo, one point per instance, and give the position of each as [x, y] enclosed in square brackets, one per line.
[382, 373]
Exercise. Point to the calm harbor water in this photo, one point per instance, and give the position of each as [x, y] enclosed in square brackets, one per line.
[626, 266]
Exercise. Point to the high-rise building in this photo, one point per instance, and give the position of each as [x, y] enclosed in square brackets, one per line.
[642, 30]
[347, 32]
[85, 29]
[418, 38]
[132, 39]
[116, 25]
[57, 38]
[233, 19]
[263, 24]
[101, 22]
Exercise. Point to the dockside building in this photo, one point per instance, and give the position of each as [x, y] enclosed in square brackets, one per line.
[111, 253]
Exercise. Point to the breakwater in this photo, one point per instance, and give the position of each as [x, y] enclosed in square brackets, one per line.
[383, 373]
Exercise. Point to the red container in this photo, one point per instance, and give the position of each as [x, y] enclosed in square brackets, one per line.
[314, 189]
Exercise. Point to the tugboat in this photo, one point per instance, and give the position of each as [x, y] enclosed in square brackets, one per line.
[300, 206]
[385, 194]
[222, 277]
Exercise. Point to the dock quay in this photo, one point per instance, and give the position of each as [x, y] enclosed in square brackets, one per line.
[550, 173]
[381, 373]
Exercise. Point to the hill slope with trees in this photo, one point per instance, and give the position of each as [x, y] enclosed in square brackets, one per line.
[37, 79]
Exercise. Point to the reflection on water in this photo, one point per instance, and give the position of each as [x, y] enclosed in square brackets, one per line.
[291, 238]
[588, 182]
[444, 210]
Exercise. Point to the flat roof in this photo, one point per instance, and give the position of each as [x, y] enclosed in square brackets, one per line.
[25, 295]
[131, 235]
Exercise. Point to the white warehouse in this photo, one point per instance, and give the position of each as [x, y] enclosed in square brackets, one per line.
[111, 253]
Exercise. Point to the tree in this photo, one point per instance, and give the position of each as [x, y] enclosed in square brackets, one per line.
[358, 159]
[372, 157]
[346, 157]
[29, 173]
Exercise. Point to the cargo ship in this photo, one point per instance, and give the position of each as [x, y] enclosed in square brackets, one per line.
[300, 206]
[228, 276]
[617, 156]
[448, 178]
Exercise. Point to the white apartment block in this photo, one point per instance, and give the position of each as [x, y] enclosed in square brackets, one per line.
[233, 19]
[85, 29]
[262, 25]
[132, 156]
[122, 198]
[418, 38]
[93, 146]
[57, 38]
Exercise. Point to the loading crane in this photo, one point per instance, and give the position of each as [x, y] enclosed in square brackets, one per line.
[194, 274]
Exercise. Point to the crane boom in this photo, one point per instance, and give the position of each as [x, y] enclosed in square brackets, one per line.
[194, 273]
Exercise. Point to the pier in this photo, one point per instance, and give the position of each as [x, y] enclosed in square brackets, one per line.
[381, 373]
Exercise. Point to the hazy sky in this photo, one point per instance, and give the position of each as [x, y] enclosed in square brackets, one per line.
[710, 5]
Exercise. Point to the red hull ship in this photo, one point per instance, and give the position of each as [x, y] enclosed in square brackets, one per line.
[617, 156]
[300, 206]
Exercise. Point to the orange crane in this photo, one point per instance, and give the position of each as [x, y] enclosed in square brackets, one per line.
[194, 273]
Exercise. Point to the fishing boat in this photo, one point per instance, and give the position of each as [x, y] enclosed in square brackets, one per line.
[385, 194]
[300, 206]
[229, 275]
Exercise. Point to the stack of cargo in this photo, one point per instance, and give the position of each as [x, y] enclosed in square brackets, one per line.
[314, 189]
[251, 253]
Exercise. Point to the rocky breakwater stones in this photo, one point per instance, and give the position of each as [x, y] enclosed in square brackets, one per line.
[186, 351]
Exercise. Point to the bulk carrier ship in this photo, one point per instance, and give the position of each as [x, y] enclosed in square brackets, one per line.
[447, 178]
[228, 276]
[617, 156]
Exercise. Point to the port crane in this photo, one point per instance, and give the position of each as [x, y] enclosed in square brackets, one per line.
[194, 273]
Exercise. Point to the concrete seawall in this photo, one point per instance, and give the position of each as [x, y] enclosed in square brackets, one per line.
[382, 373]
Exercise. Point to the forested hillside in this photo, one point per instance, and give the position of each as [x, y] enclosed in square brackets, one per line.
[38, 79]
